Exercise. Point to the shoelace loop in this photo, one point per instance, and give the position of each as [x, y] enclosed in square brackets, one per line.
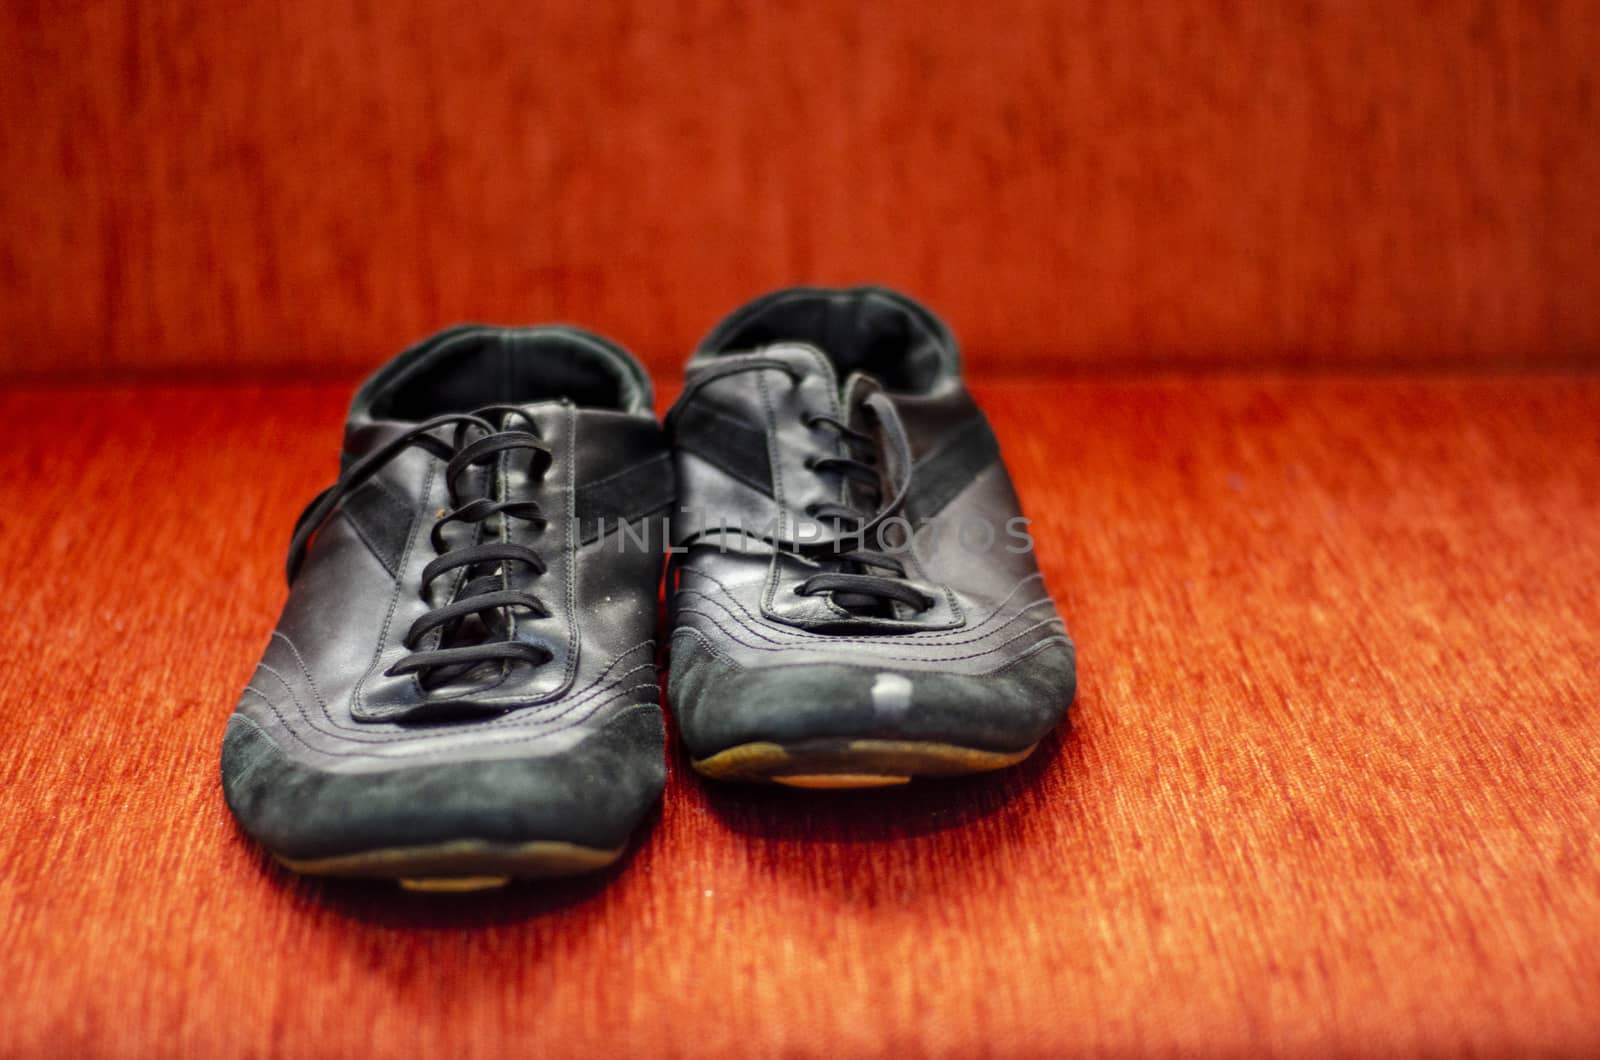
[850, 586]
[476, 625]
[846, 553]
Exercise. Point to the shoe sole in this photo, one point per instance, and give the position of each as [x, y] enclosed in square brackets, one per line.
[460, 865]
[851, 763]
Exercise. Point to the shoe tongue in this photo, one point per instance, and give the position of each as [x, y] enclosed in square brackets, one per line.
[363, 436]
[858, 386]
[803, 357]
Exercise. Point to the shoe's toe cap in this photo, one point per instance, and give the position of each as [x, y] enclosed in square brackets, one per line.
[591, 795]
[718, 706]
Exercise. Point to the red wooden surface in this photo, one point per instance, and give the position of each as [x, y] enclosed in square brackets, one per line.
[205, 189]
[1329, 787]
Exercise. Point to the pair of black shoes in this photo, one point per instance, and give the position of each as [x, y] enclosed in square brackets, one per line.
[462, 687]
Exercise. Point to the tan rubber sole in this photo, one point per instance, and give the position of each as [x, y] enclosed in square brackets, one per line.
[851, 763]
[461, 865]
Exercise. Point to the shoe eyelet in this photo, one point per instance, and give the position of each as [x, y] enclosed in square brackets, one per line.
[811, 463]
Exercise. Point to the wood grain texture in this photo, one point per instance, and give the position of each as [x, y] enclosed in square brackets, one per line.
[1330, 784]
[221, 189]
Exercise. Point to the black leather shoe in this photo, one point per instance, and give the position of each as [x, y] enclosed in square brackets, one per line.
[461, 688]
[856, 600]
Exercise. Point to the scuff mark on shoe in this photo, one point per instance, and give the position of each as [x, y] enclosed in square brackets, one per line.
[891, 695]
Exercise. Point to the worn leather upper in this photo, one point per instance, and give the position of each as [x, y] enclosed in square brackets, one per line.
[986, 657]
[329, 752]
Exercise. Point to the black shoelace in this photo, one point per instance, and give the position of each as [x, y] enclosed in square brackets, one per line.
[849, 576]
[849, 584]
[476, 625]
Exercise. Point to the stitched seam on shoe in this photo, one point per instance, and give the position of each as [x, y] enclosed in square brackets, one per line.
[340, 730]
[358, 694]
[630, 469]
[366, 539]
[543, 727]
[305, 671]
[1035, 576]
[936, 636]
[497, 723]
[443, 752]
[769, 417]
[709, 645]
[536, 714]
[944, 639]
[1025, 656]
[764, 628]
[822, 649]
[712, 648]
